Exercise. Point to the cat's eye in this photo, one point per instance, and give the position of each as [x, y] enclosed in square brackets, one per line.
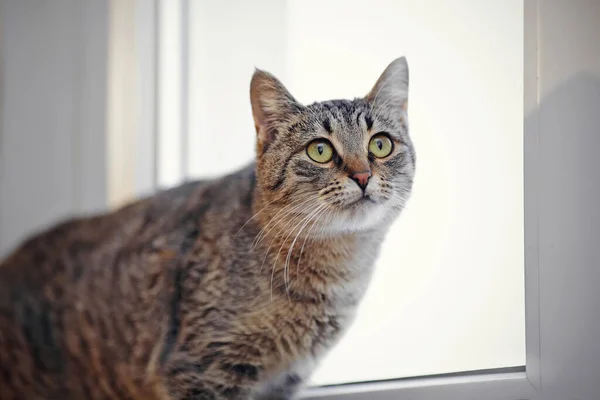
[381, 146]
[320, 151]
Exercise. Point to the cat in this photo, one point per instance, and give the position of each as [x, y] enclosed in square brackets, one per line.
[233, 288]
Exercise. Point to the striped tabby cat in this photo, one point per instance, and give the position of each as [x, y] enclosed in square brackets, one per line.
[232, 288]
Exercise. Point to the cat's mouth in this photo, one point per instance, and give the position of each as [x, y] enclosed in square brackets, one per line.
[364, 199]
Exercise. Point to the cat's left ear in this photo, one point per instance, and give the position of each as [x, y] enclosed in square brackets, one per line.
[272, 104]
[391, 90]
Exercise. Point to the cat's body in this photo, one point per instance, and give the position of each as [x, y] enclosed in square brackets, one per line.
[231, 288]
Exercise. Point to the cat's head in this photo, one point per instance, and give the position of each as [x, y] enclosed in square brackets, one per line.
[346, 163]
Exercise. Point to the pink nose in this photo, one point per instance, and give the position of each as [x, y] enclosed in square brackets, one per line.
[361, 178]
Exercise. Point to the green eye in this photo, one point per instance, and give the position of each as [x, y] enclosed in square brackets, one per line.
[381, 146]
[320, 151]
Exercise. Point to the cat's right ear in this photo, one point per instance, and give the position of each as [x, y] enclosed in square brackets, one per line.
[271, 105]
[390, 93]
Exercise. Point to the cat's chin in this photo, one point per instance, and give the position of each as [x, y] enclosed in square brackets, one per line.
[365, 214]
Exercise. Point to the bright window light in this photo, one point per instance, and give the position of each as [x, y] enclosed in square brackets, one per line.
[448, 291]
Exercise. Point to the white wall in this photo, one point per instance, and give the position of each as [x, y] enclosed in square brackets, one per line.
[52, 99]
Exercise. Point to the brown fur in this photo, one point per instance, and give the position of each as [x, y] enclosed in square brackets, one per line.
[232, 288]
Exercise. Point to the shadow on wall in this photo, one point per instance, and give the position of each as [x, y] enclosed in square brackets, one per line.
[568, 121]
[563, 172]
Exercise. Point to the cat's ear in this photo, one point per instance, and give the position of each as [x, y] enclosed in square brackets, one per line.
[391, 90]
[271, 105]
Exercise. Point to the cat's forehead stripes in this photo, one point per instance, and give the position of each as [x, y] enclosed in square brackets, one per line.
[369, 122]
[346, 122]
[327, 125]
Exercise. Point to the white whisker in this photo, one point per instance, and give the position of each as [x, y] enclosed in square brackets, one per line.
[295, 205]
[251, 218]
[313, 216]
[283, 243]
[307, 236]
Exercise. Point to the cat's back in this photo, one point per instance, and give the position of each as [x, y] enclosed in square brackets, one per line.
[85, 305]
[63, 328]
[138, 224]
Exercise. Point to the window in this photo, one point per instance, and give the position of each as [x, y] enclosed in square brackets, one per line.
[448, 292]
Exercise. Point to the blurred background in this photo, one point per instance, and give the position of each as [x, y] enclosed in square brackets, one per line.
[102, 102]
